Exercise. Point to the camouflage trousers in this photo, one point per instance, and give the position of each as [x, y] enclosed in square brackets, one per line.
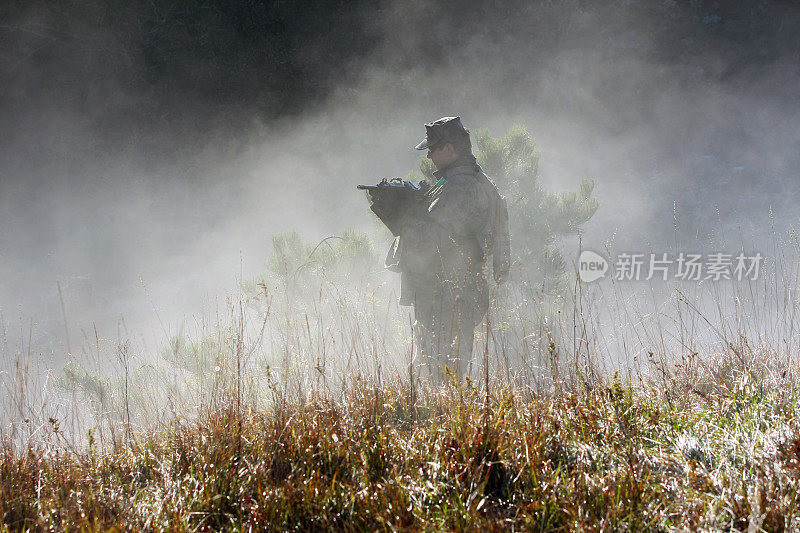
[444, 331]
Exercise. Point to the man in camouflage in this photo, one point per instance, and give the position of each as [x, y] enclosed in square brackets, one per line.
[443, 255]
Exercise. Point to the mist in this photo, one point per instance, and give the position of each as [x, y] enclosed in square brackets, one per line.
[149, 153]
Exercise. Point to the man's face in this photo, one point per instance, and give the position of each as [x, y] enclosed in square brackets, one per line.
[442, 155]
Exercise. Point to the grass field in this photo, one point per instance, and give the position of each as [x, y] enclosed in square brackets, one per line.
[297, 411]
[719, 457]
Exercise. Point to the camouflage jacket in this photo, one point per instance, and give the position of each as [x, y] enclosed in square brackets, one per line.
[467, 221]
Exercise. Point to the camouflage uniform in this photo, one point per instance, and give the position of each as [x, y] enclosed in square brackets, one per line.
[443, 258]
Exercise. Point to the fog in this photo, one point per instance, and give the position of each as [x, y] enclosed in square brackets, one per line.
[147, 176]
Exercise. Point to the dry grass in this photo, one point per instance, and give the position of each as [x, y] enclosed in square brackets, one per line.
[603, 458]
[294, 411]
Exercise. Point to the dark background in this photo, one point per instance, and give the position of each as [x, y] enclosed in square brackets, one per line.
[160, 78]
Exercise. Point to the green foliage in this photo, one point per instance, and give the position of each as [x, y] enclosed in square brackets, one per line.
[75, 376]
[289, 253]
[334, 255]
[197, 357]
[537, 218]
[294, 259]
[349, 252]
